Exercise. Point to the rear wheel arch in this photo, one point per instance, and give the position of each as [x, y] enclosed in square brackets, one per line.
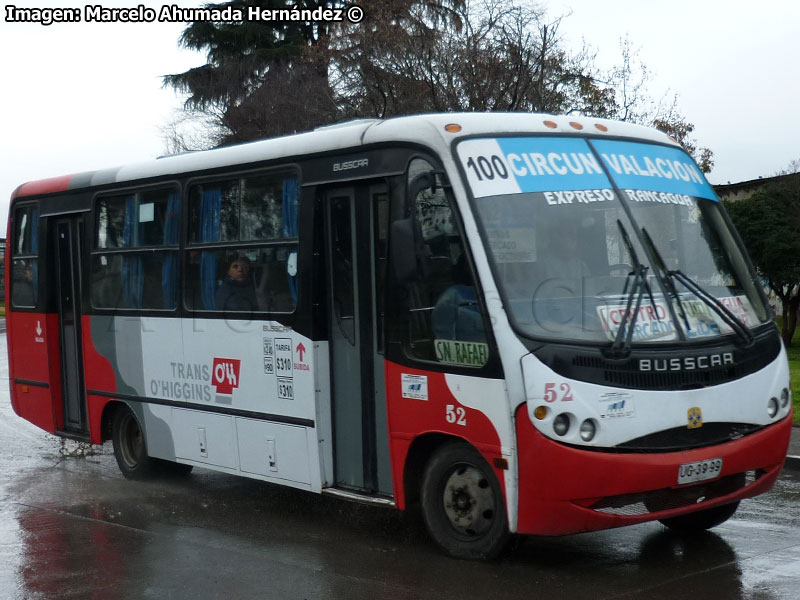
[107, 419]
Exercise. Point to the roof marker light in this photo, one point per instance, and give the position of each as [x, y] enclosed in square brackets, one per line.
[551, 124]
[575, 125]
[452, 128]
[601, 127]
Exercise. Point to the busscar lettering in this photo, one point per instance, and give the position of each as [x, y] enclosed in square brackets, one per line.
[43, 16]
[687, 363]
[351, 164]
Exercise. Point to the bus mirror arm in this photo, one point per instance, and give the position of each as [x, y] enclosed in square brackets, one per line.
[404, 252]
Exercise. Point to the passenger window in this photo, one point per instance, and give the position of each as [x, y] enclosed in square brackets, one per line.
[445, 322]
[243, 280]
[243, 277]
[25, 257]
[135, 261]
[251, 208]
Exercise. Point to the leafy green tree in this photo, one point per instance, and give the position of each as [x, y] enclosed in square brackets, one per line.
[255, 82]
[769, 223]
[266, 78]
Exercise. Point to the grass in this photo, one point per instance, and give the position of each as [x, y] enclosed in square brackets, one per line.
[794, 372]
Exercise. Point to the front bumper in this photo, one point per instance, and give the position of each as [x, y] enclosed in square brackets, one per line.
[563, 489]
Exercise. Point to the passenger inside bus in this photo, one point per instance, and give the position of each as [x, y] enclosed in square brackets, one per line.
[238, 291]
[457, 315]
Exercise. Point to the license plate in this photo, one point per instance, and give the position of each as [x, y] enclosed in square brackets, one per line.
[699, 471]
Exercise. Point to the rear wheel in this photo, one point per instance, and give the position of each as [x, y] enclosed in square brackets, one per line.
[462, 503]
[129, 446]
[701, 520]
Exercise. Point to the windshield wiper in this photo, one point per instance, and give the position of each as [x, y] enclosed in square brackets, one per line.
[622, 341]
[724, 313]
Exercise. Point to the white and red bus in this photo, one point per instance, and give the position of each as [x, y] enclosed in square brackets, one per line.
[527, 323]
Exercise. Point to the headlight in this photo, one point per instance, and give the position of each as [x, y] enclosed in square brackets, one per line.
[561, 424]
[785, 395]
[588, 430]
[772, 407]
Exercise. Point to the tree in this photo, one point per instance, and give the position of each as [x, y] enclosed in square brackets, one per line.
[407, 56]
[263, 77]
[768, 223]
[255, 82]
[494, 55]
[629, 80]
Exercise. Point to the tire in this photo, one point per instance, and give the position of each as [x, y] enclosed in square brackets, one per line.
[462, 504]
[129, 446]
[701, 520]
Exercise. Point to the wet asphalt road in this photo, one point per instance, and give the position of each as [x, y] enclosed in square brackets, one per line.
[72, 527]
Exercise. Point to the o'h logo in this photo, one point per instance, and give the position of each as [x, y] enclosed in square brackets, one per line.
[225, 375]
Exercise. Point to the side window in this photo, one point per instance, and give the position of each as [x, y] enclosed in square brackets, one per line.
[445, 323]
[243, 244]
[135, 255]
[25, 257]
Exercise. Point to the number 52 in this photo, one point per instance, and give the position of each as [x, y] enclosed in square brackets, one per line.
[455, 414]
[551, 395]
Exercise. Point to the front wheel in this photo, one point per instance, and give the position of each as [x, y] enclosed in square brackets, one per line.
[129, 446]
[462, 503]
[701, 520]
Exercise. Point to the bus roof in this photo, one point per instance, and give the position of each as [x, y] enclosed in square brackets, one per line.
[427, 129]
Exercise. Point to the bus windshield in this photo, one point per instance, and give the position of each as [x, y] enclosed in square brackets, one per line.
[565, 250]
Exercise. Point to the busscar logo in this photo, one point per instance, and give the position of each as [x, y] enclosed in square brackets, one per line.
[225, 375]
[687, 363]
[358, 163]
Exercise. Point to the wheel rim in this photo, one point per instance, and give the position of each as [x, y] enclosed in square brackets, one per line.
[469, 501]
[131, 442]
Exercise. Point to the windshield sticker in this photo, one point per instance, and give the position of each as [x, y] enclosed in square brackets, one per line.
[653, 322]
[567, 170]
[512, 244]
[521, 165]
[637, 166]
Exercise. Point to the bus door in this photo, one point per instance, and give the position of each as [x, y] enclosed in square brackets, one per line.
[68, 260]
[356, 224]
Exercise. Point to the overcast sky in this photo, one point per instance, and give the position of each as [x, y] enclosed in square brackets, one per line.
[83, 96]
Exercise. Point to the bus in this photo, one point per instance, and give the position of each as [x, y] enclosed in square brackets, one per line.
[523, 324]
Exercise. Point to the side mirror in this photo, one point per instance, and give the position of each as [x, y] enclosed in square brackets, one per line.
[403, 251]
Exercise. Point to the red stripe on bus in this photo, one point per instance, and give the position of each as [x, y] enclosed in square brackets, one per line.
[409, 419]
[44, 186]
[35, 343]
[99, 375]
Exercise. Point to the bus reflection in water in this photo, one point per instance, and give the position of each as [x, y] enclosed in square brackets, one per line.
[524, 326]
